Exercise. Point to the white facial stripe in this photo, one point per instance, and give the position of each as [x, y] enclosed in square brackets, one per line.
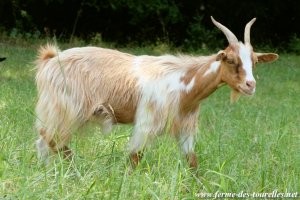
[213, 68]
[245, 55]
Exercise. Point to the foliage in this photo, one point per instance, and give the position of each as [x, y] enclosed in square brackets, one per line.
[294, 44]
[182, 23]
[200, 37]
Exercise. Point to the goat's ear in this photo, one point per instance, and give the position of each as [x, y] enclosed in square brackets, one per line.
[221, 55]
[266, 57]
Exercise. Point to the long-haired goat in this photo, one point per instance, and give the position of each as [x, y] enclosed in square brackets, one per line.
[153, 93]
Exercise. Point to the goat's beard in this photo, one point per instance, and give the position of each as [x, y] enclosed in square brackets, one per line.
[234, 96]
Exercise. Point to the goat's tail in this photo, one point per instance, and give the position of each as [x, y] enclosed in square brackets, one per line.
[45, 53]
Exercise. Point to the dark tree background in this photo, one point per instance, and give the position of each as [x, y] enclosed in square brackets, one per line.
[180, 22]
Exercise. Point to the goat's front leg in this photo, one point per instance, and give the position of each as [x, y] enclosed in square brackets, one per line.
[186, 141]
[149, 123]
[137, 144]
[185, 129]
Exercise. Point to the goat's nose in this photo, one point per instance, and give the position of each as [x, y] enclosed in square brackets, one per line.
[251, 84]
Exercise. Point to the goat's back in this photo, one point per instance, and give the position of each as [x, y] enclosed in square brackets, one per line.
[77, 79]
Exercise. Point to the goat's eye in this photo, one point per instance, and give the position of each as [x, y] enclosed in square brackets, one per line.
[231, 61]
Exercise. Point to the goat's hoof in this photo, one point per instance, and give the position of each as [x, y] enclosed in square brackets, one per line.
[67, 153]
[135, 159]
[192, 160]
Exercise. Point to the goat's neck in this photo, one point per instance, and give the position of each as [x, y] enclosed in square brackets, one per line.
[206, 81]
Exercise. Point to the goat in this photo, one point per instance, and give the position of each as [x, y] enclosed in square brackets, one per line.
[155, 93]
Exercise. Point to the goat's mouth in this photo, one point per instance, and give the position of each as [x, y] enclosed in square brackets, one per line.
[246, 91]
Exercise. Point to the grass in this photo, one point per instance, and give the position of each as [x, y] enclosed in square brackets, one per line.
[251, 146]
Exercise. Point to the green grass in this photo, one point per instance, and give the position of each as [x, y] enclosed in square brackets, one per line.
[251, 146]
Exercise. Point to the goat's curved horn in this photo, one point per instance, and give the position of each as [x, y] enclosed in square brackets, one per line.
[229, 35]
[247, 31]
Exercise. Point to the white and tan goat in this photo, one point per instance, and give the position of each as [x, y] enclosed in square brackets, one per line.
[153, 93]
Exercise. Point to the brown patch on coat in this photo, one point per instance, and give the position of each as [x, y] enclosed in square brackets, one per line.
[203, 87]
[190, 74]
[126, 113]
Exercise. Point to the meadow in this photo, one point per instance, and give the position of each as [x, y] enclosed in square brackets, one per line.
[251, 146]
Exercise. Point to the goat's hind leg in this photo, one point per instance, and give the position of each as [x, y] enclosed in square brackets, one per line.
[67, 153]
[61, 146]
[43, 150]
[46, 147]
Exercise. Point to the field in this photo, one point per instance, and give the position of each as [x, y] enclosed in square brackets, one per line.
[249, 147]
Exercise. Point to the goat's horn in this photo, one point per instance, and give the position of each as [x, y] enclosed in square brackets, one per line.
[247, 31]
[229, 35]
